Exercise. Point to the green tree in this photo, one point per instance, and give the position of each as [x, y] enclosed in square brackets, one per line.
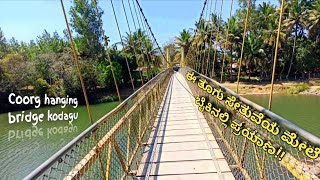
[294, 22]
[84, 22]
[41, 87]
[141, 46]
[14, 46]
[17, 71]
[255, 55]
[48, 43]
[3, 45]
[105, 75]
[234, 41]
[199, 41]
[184, 40]
[43, 66]
[307, 57]
[313, 21]
[120, 57]
[202, 34]
[268, 23]
[171, 48]
[71, 82]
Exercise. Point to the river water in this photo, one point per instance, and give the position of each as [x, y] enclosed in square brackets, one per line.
[23, 147]
[302, 110]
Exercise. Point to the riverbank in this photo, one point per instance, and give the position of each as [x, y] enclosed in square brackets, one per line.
[314, 90]
[286, 87]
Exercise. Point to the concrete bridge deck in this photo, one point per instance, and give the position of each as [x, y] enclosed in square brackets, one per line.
[182, 145]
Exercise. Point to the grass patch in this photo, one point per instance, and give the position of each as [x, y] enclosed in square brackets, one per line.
[316, 83]
[108, 99]
[297, 89]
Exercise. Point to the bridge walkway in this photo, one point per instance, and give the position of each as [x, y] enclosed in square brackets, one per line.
[182, 145]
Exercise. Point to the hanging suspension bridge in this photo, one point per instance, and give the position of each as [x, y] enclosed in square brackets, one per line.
[164, 130]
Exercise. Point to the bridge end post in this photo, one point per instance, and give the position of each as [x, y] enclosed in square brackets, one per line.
[182, 63]
[168, 58]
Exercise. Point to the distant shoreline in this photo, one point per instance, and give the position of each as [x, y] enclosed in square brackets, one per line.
[313, 88]
[243, 94]
[302, 93]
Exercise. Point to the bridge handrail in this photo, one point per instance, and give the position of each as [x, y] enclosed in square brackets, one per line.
[44, 166]
[241, 150]
[303, 133]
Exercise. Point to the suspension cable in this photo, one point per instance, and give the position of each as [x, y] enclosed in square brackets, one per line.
[226, 43]
[275, 55]
[243, 41]
[144, 26]
[107, 49]
[75, 54]
[125, 14]
[202, 11]
[198, 64]
[209, 38]
[145, 44]
[195, 32]
[134, 23]
[132, 13]
[135, 10]
[141, 46]
[217, 40]
[150, 34]
[146, 21]
[130, 36]
[128, 66]
[211, 33]
[204, 42]
[76, 59]
[149, 61]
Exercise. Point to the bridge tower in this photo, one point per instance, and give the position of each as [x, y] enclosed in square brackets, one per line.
[168, 58]
[182, 63]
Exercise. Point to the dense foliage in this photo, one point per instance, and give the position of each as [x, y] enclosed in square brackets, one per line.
[47, 65]
[298, 55]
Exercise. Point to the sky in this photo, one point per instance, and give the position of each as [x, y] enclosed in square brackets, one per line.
[27, 19]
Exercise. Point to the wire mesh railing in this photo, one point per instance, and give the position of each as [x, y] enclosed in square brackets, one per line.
[111, 148]
[256, 143]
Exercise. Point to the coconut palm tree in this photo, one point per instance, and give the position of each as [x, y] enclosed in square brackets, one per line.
[294, 22]
[199, 41]
[128, 43]
[135, 44]
[212, 33]
[313, 20]
[183, 41]
[234, 40]
[146, 52]
[201, 35]
[269, 18]
[254, 52]
[141, 46]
